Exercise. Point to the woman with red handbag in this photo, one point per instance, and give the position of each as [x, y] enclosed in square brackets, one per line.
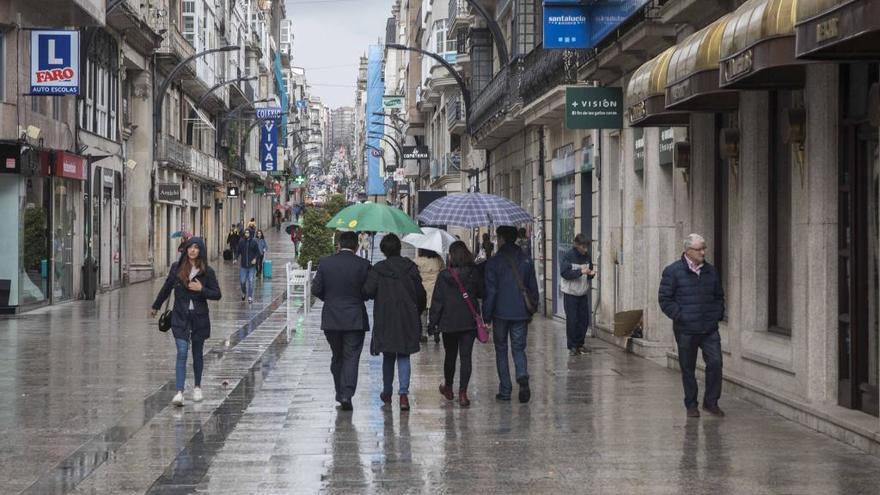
[455, 314]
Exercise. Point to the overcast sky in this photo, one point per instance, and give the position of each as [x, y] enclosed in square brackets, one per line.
[330, 37]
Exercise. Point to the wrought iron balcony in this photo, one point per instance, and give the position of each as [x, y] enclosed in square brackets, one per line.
[494, 99]
[543, 70]
[455, 115]
[448, 164]
[174, 46]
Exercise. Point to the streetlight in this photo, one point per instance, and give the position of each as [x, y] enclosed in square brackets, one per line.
[465, 92]
[397, 154]
[399, 130]
[159, 94]
[220, 85]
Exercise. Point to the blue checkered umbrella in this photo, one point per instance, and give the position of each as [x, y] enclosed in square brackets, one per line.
[474, 210]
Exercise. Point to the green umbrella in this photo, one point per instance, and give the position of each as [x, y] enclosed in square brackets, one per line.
[374, 217]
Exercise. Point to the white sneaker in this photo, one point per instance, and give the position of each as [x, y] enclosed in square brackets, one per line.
[197, 394]
[250, 300]
[178, 399]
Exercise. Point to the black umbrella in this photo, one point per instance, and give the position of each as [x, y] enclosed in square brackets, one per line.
[290, 228]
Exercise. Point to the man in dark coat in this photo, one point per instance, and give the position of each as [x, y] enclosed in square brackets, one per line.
[577, 271]
[400, 299]
[692, 296]
[338, 282]
[510, 280]
[248, 251]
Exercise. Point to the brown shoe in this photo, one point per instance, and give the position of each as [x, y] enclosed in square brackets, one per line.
[404, 403]
[693, 413]
[386, 398]
[446, 391]
[463, 399]
[714, 410]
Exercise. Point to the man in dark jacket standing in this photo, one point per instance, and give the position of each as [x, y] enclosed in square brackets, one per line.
[577, 271]
[248, 251]
[692, 296]
[510, 301]
[338, 282]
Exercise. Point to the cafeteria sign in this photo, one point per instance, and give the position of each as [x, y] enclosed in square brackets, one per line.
[593, 108]
[392, 102]
[54, 62]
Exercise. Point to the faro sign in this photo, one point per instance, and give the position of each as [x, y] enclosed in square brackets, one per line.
[54, 62]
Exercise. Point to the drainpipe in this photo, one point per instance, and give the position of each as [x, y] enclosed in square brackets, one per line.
[598, 253]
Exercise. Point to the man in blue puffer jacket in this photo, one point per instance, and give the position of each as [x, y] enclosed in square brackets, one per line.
[692, 296]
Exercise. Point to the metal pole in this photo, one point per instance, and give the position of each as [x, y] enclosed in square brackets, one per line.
[220, 85]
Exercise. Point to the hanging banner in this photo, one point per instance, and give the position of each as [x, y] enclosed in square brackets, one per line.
[375, 92]
[269, 146]
[54, 62]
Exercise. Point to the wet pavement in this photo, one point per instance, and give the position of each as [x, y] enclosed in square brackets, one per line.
[97, 420]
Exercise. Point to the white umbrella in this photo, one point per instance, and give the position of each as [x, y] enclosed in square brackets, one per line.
[431, 239]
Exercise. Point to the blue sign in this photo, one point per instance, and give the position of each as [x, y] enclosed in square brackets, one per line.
[576, 26]
[302, 104]
[265, 113]
[269, 146]
[566, 27]
[54, 62]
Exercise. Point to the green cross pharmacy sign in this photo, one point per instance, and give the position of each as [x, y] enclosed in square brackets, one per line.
[593, 108]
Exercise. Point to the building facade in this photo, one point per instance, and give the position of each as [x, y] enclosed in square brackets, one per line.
[764, 140]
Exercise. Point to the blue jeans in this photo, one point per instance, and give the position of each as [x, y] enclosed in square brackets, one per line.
[198, 349]
[246, 277]
[710, 345]
[403, 372]
[518, 332]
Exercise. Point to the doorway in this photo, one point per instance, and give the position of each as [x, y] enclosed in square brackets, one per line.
[858, 282]
[563, 233]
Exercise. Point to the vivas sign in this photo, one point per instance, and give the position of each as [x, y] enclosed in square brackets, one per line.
[268, 146]
[593, 108]
[54, 62]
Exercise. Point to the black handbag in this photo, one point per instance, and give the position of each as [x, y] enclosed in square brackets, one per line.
[165, 317]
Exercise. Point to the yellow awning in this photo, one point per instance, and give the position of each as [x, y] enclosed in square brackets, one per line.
[646, 91]
[759, 36]
[693, 71]
[838, 29]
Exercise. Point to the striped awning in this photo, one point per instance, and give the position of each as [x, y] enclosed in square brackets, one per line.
[758, 47]
[692, 81]
[646, 95]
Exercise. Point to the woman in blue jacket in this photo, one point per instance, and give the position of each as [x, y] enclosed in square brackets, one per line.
[261, 243]
[193, 283]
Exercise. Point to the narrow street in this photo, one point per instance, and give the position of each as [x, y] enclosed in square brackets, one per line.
[100, 420]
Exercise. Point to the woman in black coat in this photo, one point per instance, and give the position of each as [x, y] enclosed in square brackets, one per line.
[396, 286]
[451, 316]
[193, 283]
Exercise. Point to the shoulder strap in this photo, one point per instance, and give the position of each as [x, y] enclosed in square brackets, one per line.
[530, 306]
[465, 295]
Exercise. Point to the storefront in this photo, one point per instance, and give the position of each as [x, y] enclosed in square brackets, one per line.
[849, 32]
[44, 243]
[107, 214]
[564, 228]
[168, 218]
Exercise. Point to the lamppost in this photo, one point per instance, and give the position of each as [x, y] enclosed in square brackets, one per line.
[398, 155]
[220, 85]
[398, 129]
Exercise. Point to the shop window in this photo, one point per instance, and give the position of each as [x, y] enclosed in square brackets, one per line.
[100, 92]
[779, 245]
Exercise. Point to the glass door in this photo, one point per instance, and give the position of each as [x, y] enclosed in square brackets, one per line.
[858, 246]
[64, 223]
[563, 232]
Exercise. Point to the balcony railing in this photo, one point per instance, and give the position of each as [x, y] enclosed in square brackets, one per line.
[173, 43]
[458, 8]
[492, 99]
[546, 69]
[446, 164]
[454, 111]
[189, 159]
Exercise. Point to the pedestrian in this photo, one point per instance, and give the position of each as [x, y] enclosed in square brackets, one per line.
[430, 264]
[263, 246]
[278, 217]
[692, 296]
[232, 240]
[487, 248]
[511, 300]
[524, 242]
[248, 251]
[451, 316]
[577, 272]
[295, 238]
[364, 244]
[252, 225]
[194, 284]
[395, 285]
[339, 282]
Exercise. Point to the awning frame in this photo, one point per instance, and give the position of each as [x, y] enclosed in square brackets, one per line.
[848, 30]
[646, 95]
